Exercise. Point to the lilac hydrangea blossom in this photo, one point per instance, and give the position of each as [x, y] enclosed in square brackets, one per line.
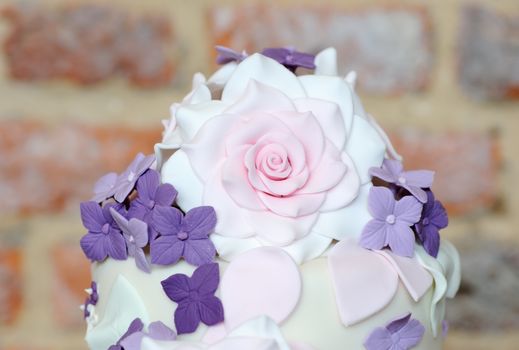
[290, 58]
[392, 221]
[403, 333]
[195, 298]
[183, 236]
[126, 180]
[150, 194]
[156, 330]
[104, 238]
[104, 188]
[135, 326]
[135, 233]
[414, 181]
[434, 218]
[227, 55]
[92, 299]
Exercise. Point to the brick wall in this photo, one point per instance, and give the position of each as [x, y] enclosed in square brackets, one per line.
[78, 100]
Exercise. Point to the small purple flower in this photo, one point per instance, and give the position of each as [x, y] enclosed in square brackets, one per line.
[134, 327]
[434, 218]
[403, 333]
[414, 181]
[183, 236]
[92, 299]
[392, 222]
[156, 330]
[104, 188]
[195, 298]
[104, 238]
[135, 233]
[227, 55]
[126, 180]
[290, 58]
[150, 194]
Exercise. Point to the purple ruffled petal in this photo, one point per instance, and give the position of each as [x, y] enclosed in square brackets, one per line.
[206, 278]
[408, 210]
[199, 252]
[115, 246]
[199, 222]
[147, 185]
[167, 220]
[227, 55]
[410, 334]
[417, 192]
[92, 216]
[430, 238]
[165, 195]
[187, 318]
[177, 287]
[374, 235]
[419, 178]
[400, 239]
[104, 187]
[166, 250]
[381, 202]
[93, 246]
[379, 339]
[438, 215]
[211, 310]
[290, 58]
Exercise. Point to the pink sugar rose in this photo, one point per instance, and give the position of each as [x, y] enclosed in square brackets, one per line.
[282, 158]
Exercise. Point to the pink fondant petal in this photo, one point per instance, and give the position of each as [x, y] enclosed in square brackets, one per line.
[262, 281]
[328, 115]
[414, 277]
[360, 293]
[231, 219]
[293, 206]
[279, 230]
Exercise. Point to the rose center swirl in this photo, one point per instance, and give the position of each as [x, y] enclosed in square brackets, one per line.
[273, 161]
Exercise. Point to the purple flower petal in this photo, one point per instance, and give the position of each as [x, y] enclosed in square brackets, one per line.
[92, 216]
[147, 185]
[227, 55]
[138, 210]
[419, 178]
[199, 222]
[159, 331]
[290, 58]
[166, 250]
[187, 317]
[104, 188]
[438, 215]
[177, 287]
[211, 310]
[93, 245]
[430, 238]
[408, 210]
[126, 180]
[395, 325]
[167, 220]
[374, 235]
[116, 246]
[199, 252]
[389, 172]
[417, 192]
[379, 339]
[381, 202]
[206, 278]
[141, 261]
[400, 239]
[410, 334]
[401, 334]
[165, 195]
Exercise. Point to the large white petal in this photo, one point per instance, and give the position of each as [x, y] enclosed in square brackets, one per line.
[264, 70]
[365, 147]
[333, 89]
[191, 117]
[177, 171]
[222, 75]
[348, 221]
[449, 259]
[326, 62]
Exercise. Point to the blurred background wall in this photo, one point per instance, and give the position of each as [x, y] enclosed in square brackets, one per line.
[84, 85]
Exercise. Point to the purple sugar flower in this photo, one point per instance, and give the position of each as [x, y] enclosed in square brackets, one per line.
[135, 233]
[104, 238]
[290, 58]
[92, 299]
[195, 298]
[126, 180]
[134, 327]
[414, 181]
[150, 195]
[227, 55]
[434, 218]
[403, 333]
[156, 330]
[392, 222]
[186, 236]
[104, 188]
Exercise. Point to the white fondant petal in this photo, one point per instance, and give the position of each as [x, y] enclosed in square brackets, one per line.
[365, 147]
[123, 306]
[333, 89]
[163, 152]
[263, 281]
[262, 327]
[360, 292]
[326, 62]
[190, 118]
[222, 75]
[264, 70]
[348, 221]
[200, 94]
[178, 172]
[449, 259]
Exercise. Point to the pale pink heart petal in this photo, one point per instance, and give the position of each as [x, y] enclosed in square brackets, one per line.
[279, 230]
[414, 277]
[360, 293]
[328, 115]
[262, 281]
[231, 219]
[259, 97]
[293, 206]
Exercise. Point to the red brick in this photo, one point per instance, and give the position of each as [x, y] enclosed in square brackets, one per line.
[466, 165]
[45, 168]
[11, 284]
[87, 44]
[365, 39]
[488, 53]
[71, 277]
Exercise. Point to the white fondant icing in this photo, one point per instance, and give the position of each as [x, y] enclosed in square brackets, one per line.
[326, 62]
[122, 306]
